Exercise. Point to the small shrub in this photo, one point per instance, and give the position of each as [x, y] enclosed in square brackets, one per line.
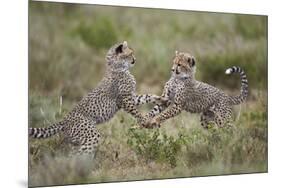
[155, 145]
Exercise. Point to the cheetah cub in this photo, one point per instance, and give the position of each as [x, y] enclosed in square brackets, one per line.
[114, 92]
[184, 92]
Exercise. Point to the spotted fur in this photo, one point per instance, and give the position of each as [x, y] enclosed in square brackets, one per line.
[184, 92]
[115, 91]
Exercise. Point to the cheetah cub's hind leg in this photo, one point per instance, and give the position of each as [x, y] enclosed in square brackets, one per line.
[223, 113]
[220, 115]
[207, 119]
[84, 137]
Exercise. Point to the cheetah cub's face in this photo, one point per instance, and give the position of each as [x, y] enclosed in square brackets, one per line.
[120, 57]
[183, 66]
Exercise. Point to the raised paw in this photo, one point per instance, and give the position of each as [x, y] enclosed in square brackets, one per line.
[142, 122]
[153, 123]
[163, 101]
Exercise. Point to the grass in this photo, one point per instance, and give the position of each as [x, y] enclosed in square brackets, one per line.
[181, 148]
[67, 45]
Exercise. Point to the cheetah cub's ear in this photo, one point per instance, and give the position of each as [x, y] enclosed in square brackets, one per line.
[176, 52]
[119, 49]
[192, 61]
[125, 44]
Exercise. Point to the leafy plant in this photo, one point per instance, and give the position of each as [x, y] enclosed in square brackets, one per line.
[155, 145]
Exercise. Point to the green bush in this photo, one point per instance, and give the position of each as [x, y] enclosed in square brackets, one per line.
[99, 34]
[237, 144]
[155, 145]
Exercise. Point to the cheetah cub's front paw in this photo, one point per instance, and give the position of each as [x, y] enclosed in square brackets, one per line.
[160, 100]
[142, 122]
[153, 123]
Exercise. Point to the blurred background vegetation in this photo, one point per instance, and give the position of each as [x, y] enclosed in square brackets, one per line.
[67, 47]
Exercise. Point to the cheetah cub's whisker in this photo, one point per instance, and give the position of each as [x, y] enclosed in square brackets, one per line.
[117, 90]
[184, 92]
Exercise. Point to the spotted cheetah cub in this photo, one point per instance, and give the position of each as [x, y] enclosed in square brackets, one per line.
[115, 91]
[184, 92]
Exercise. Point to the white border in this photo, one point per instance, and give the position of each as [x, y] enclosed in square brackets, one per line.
[13, 84]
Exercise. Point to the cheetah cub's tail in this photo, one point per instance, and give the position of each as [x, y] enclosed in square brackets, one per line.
[234, 100]
[46, 131]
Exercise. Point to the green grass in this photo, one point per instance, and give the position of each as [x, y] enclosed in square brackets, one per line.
[181, 148]
[67, 47]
